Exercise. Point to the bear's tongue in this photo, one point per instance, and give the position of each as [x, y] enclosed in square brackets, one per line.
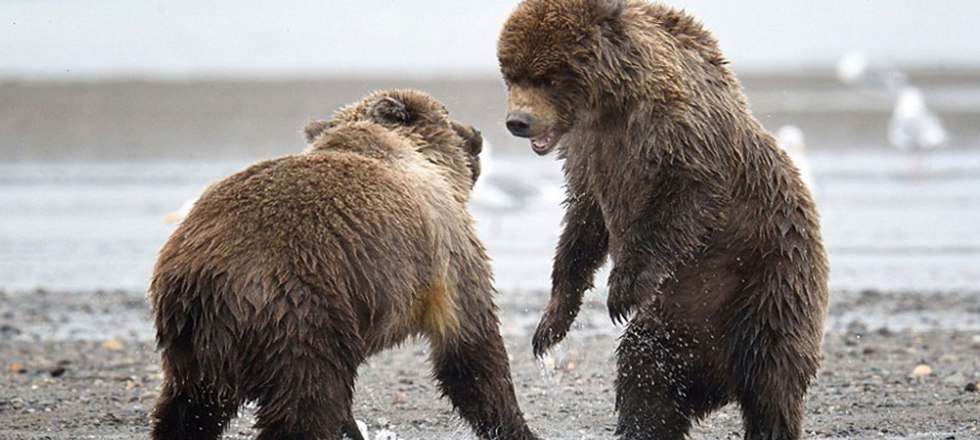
[544, 143]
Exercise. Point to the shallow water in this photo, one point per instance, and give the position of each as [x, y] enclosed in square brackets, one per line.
[83, 226]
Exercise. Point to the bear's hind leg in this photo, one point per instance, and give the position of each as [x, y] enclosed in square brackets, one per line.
[772, 395]
[764, 422]
[309, 397]
[663, 384]
[188, 406]
[304, 384]
[349, 427]
[182, 414]
[772, 362]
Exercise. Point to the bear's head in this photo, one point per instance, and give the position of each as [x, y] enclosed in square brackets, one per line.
[567, 60]
[420, 119]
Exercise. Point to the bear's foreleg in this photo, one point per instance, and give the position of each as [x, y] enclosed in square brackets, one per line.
[581, 250]
[474, 373]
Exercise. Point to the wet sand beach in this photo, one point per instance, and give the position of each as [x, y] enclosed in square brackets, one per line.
[90, 169]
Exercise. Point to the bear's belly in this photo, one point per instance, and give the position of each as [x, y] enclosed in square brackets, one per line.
[700, 290]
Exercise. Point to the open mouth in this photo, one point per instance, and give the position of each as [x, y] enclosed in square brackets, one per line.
[545, 143]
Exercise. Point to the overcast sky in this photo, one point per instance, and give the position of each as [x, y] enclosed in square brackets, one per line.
[76, 39]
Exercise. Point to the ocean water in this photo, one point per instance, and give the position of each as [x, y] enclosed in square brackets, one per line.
[887, 226]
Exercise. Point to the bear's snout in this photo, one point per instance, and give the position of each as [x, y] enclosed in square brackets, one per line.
[543, 136]
[519, 124]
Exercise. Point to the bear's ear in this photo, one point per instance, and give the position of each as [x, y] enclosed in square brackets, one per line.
[391, 110]
[610, 25]
[314, 128]
[472, 146]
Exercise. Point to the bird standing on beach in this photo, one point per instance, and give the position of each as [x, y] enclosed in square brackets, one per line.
[914, 127]
[856, 70]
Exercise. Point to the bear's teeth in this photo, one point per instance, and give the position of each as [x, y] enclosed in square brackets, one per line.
[545, 139]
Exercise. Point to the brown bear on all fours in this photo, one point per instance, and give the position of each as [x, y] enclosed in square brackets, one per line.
[715, 241]
[284, 277]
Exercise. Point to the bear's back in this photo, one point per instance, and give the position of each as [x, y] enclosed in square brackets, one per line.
[334, 218]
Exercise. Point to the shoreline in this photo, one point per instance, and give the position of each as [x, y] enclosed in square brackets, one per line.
[43, 315]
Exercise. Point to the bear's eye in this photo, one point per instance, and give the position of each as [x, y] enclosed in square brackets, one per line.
[543, 81]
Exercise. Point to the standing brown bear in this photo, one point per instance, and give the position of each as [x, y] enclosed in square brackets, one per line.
[715, 241]
[284, 277]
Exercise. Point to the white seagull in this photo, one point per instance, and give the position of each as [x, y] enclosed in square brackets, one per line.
[856, 70]
[914, 127]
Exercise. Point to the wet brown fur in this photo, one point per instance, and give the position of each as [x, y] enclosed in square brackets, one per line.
[284, 277]
[715, 242]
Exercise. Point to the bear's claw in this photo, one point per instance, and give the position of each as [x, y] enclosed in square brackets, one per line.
[552, 328]
[628, 288]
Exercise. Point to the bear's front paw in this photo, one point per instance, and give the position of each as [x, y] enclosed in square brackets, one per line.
[552, 328]
[627, 288]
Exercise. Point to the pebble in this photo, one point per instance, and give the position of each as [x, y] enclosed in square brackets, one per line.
[971, 387]
[56, 371]
[9, 330]
[112, 345]
[921, 371]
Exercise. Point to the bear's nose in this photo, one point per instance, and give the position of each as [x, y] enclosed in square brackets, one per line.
[519, 123]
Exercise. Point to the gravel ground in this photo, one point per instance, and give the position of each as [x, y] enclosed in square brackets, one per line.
[98, 378]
